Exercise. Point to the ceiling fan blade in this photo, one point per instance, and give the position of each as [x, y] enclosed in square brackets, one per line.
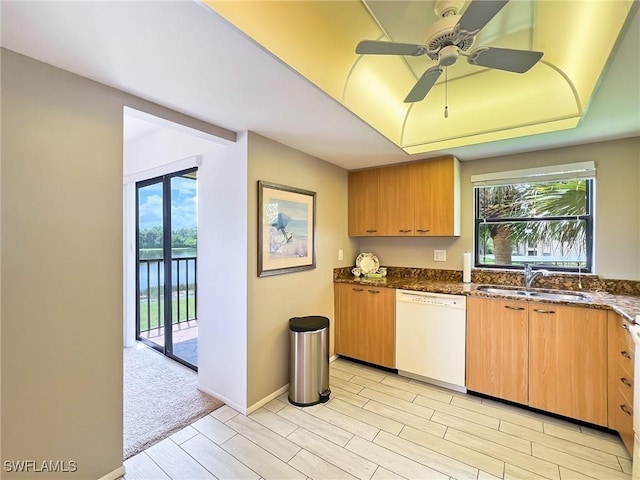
[478, 14]
[373, 47]
[423, 85]
[518, 61]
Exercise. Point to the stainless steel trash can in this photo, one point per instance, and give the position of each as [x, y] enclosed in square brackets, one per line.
[308, 360]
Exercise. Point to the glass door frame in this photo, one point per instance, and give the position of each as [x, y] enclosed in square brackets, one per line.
[167, 348]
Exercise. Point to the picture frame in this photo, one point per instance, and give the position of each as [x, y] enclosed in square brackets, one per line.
[286, 229]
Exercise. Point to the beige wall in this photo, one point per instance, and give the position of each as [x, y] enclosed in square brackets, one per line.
[617, 245]
[61, 269]
[275, 299]
[61, 266]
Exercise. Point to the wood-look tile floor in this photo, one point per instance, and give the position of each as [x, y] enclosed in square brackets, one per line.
[379, 425]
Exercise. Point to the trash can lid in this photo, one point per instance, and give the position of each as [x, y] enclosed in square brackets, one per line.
[308, 324]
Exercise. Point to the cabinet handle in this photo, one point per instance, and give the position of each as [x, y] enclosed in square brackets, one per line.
[422, 230]
[357, 289]
[513, 308]
[371, 231]
[373, 291]
[625, 409]
[625, 381]
[540, 310]
[625, 354]
[404, 231]
[625, 326]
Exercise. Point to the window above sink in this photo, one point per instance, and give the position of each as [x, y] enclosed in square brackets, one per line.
[532, 217]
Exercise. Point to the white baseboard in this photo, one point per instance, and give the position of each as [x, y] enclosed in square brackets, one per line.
[241, 408]
[117, 473]
[267, 399]
[258, 404]
[237, 407]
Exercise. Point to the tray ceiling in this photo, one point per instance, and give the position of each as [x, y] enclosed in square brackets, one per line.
[318, 40]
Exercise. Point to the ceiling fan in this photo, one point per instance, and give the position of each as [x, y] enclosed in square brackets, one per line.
[451, 36]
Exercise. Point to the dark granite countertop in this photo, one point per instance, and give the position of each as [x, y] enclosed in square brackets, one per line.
[625, 305]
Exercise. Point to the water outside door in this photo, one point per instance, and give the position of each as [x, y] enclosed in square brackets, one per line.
[166, 310]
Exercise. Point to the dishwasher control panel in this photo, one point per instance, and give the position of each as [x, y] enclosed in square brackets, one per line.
[436, 299]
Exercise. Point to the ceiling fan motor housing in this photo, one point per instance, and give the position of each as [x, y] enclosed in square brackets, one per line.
[442, 33]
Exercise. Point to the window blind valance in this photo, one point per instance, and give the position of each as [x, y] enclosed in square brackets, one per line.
[570, 171]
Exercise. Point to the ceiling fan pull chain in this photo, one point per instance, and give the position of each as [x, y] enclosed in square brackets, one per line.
[446, 101]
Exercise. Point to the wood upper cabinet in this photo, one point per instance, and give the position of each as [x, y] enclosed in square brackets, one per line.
[414, 199]
[363, 202]
[365, 323]
[497, 348]
[621, 351]
[396, 201]
[436, 186]
[568, 361]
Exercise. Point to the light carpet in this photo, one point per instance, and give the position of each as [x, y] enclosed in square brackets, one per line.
[160, 398]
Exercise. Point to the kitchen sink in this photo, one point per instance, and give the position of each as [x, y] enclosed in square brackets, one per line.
[562, 295]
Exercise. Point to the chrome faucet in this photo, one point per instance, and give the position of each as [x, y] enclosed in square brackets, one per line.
[530, 275]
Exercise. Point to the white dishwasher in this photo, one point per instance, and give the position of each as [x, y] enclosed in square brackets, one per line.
[431, 337]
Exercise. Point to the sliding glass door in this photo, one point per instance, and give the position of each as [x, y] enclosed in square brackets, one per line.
[166, 313]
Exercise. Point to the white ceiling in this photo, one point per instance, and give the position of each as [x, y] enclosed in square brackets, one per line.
[184, 56]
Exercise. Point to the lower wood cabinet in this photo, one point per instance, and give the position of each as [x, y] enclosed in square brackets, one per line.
[621, 371]
[497, 348]
[548, 356]
[568, 361]
[365, 323]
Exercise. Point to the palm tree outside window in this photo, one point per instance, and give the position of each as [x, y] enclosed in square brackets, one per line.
[547, 224]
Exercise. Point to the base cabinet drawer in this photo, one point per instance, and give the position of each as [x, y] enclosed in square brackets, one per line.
[621, 353]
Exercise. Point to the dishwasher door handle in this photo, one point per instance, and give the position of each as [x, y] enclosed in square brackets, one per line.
[419, 295]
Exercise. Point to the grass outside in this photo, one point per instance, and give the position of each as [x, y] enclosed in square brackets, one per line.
[153, 320]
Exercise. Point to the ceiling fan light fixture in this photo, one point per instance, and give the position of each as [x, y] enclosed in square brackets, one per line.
[448, 55]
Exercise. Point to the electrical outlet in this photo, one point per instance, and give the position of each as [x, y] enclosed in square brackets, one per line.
[340, 254]
[440, 255]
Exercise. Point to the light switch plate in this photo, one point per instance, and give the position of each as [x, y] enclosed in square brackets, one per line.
[440, 255]
[340, 254]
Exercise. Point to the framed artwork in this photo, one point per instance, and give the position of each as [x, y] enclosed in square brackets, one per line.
[286, 229]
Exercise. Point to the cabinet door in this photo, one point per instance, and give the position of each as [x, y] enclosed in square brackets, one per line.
[365, 323]
[363, 203]
[568, 361]
[380, 327]
[497, 348]
[350, 317]
[436, 197]
[396, 201]
[621, 350]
